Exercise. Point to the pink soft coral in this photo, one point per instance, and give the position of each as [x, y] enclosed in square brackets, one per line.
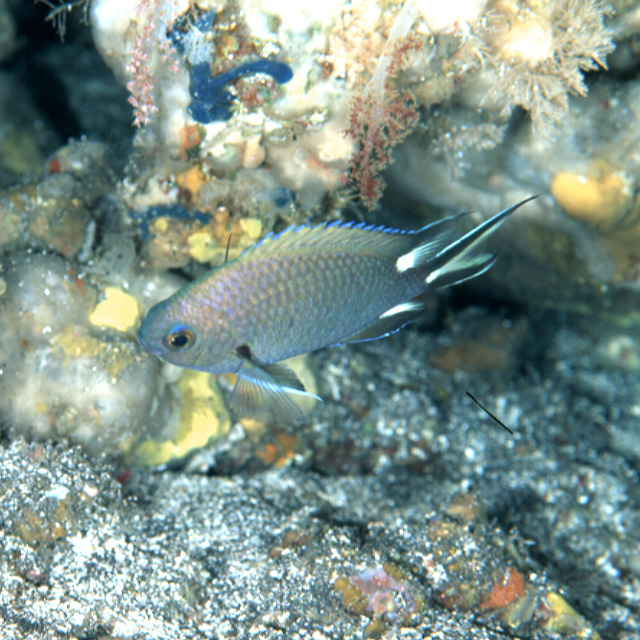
[382, 115]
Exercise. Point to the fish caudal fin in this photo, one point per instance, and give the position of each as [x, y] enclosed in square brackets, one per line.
[264, 393]
[455, 261]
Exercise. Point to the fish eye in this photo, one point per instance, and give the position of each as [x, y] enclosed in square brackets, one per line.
[180, 339]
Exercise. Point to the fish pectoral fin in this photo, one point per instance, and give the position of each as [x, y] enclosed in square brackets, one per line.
[389, 322]
[264, 393]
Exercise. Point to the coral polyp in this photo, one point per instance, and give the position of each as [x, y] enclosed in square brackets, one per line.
[540, 51]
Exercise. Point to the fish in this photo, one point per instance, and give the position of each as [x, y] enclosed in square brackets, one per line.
[303, 289]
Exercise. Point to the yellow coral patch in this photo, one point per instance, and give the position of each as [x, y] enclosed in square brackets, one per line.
[202, 247]
[161, 225]
[602, 197]
[41, 407]
[118, 310]
[191, 180]
[251, 228]
[202, 417]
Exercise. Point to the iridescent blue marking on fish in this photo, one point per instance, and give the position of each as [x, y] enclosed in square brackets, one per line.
[306, 288]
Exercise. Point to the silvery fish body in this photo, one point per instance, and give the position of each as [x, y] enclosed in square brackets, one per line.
[303, 289]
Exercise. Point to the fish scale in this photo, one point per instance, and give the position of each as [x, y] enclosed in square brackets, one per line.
[300, 296]
[303, 289]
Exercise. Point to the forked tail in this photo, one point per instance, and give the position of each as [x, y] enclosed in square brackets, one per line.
[447, 262]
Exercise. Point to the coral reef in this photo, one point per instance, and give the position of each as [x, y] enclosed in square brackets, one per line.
[382, 115]
[210, 99]
[581, 238]
[70, 367]
[250, 118]
[399, 509]
[57, 212]
[320, 111]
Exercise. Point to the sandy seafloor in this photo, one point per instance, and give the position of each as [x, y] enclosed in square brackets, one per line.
[200, 553]
[398, 478]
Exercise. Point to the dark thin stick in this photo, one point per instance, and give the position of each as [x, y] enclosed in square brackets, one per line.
[502, 424]
[226, 253]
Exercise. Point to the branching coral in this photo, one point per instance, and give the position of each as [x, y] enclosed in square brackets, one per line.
[379, 121]
[541, 49]
[383, 115]
[151, 40]
[528, 53]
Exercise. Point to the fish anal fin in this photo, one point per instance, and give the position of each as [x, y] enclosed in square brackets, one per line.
[264, 393]
[389, 322]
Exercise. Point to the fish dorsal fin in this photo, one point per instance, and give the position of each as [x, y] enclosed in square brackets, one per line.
[437, 245]
[336, 235]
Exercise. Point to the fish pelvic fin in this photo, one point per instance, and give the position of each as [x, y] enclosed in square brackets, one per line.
[451, 262]
[264, 393]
